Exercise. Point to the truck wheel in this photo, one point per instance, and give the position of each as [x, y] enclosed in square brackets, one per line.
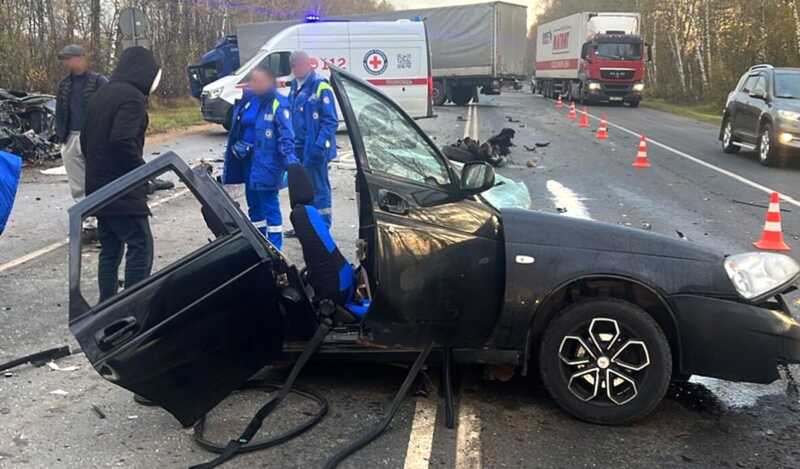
[439, 93]
[462, 95]
[228, 118]
[605, 361]
[767, 151]
[634, 103]
[728, 145]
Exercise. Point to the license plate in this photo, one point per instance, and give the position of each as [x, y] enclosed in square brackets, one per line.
[615, 98]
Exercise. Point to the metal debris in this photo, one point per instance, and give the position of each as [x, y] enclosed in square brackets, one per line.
[27, 125]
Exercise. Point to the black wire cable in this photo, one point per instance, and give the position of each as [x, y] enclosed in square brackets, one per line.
[234, 446]
[377, 430]
[214, 447]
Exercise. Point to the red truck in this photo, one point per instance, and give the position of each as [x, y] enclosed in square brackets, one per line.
[591, 57]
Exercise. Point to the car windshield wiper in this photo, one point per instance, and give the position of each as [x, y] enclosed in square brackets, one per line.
[786, 97]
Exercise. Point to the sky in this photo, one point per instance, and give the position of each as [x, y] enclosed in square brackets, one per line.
[409, 4]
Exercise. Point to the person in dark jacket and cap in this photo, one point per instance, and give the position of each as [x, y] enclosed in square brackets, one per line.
[112, 139]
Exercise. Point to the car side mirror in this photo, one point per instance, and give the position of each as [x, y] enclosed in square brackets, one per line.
[759, 94]
[476, 177]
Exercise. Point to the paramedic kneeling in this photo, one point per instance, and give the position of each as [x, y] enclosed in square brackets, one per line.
[315, 124]
[260, 146]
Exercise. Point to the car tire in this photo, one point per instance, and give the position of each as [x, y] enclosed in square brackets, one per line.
[439, 93]
[767, 151]
[728, 145]
[228, 118]
[462, 95]
[580, 354]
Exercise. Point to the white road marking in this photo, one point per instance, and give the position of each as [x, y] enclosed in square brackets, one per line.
[346, 160]
[420, 442]
[565, 197]
[52, 247]
[706, 164]
[471, 127]
[468, 438]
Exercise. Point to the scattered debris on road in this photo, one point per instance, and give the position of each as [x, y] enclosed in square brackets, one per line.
[99, 412]
[757, 205]
[494, 151]
[26, 125]
[38, 358]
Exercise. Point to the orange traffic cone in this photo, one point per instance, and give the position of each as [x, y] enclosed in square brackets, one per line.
[559, 103]
[772, 237]
[584, 122]
[572, 114]
[602, 129]
[641, 156]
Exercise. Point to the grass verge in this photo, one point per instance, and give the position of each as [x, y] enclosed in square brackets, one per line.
[173, 115]
[708, 113]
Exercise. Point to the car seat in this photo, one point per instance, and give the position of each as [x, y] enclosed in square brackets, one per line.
[330, 275]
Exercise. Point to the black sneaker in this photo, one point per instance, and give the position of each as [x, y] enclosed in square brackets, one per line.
[159, 185]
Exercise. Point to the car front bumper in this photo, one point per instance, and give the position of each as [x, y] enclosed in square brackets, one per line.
[737, 341]
[614, 92]
[214, 110]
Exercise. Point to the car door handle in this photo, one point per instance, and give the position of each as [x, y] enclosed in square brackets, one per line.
[118, 331]
[390, 202]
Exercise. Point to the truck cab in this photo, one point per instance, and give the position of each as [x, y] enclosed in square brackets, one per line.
[612, 69]
[220, 61]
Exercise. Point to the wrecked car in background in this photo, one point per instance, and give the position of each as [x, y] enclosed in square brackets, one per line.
[27, 125]
[608, 315]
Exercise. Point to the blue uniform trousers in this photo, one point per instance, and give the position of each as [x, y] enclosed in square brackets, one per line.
[264, 209]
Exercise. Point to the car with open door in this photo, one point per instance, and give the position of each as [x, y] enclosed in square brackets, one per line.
[607, 315]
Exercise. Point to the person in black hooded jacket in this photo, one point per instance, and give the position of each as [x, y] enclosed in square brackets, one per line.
[112, 139]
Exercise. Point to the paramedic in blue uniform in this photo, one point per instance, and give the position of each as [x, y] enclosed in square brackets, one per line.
[315, 122]
[260, 147]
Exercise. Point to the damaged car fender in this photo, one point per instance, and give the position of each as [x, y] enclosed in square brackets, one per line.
[546, 253]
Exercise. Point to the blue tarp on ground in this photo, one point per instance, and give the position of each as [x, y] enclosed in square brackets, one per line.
[10, 170]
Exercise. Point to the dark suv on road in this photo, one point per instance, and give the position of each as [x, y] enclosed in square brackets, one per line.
[763, 114]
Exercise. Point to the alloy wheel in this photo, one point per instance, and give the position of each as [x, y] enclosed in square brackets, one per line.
[603, 363]
[764, 146]
[727, 135]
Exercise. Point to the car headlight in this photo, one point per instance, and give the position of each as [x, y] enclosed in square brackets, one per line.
[755, 274]
[638, 87]
[213, 93]
[788, 115]
[594, 86]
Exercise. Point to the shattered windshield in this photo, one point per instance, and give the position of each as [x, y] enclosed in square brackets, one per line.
[787, 85]
[619, 51]
[393, 146]
[506, 192]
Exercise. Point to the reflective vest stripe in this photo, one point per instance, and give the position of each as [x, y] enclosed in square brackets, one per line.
[275, 105]
[323, 85]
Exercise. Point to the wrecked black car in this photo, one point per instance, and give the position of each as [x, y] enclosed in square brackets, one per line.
[606, 314]
[26, 125]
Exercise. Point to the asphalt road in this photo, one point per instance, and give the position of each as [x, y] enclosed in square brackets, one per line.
[706, 423]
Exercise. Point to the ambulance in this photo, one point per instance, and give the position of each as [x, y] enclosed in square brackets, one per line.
[393, 56]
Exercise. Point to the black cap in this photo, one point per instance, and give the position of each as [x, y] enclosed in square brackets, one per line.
[72, 50]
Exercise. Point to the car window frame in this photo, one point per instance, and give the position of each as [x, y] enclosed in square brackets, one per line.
[358, 142]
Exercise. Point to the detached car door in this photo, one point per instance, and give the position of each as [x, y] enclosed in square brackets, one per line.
[434, 257]
[194, 331]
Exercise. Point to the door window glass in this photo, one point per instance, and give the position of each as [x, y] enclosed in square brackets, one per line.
[749, 83]
[760, 85]
[392, 144]
[278, 62]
